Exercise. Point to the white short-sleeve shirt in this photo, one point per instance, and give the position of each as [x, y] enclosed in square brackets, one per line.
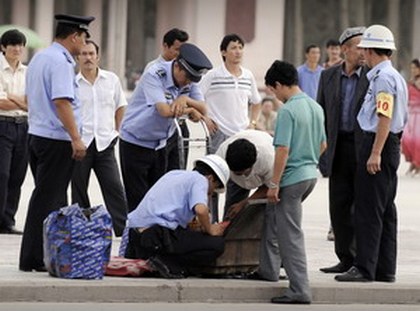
[12, 82]
[262, 170]
[227, 98]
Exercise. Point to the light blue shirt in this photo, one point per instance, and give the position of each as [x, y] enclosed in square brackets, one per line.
[170, 202]
[384, 78]
[50, 76]
[300, 127]
[309, 80]
[142, 124]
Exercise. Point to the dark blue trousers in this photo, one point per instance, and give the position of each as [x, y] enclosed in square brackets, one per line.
[13, 167]
[51, 164]
[375, 210]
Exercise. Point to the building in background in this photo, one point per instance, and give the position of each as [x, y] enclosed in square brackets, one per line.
[130, 30]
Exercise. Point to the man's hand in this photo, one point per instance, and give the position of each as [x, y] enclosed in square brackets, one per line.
[211, 125]
[373, 164]
[234, 210]
[79, 149]
[179, 106]
[273, 195]
[193, 114]
[217, 229]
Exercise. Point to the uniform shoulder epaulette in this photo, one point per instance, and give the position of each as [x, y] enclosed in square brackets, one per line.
[68, 58]
[161, 73]
[376, 75]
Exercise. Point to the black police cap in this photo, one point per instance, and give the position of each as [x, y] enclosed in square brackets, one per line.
[194, 61]
[78, 22]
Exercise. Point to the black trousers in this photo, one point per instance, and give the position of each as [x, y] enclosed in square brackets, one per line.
[51, 164]
[105, 166]
[342, 196]
[13, 167]
[375, 210]
[181, 249]
[141, 167]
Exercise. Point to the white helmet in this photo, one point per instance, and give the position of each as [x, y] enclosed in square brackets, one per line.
[377, 37]
[219, 166]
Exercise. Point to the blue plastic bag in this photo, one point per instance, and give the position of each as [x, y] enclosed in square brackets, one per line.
[77, 242]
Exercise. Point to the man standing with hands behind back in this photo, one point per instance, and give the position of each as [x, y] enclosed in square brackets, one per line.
[54, 130]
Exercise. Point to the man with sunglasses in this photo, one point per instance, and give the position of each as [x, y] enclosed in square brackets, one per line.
[166, 91]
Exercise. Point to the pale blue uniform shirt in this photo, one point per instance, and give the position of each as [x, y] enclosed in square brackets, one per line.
[142, 124]
[50, 76]
[384, 78]
[309, 80]
[300, 127]
[170, 202]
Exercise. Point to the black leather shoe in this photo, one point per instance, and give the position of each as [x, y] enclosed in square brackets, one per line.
[388, 278]
[352, 275]
[10, 230]
[338, 268]
[156, 264]
[288, 300]
[36, 269]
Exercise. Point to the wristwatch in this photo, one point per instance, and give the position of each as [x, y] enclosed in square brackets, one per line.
[272, 185]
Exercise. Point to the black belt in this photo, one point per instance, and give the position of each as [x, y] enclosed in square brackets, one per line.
[18, 120]
[398, 135]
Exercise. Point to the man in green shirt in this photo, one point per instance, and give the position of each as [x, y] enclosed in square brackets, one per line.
[299, 140]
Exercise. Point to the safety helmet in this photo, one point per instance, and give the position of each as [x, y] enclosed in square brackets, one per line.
[219, 167]
[377, 37]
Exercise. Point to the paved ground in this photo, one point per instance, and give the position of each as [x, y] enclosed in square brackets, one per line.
[19, 286]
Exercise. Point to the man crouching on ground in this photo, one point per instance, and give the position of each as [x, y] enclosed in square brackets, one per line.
[158, 227]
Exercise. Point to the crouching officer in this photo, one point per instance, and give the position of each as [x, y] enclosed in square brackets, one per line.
[158, 226]
[165, 91]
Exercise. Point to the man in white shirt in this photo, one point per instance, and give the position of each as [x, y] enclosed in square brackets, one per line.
[228, 90]
[103, 105]
[13, 128]
[250, 157]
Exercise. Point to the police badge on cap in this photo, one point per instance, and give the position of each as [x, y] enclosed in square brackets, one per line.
[76, 21]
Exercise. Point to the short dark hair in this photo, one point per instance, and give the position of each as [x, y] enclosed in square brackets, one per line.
[94, 44]
[332, 42]
[13, 37]
[416, 62]
[233, 37]
[62, 31]
[386, 52]
[175, 34]
[206, 170]
[282, 72]
[241, 155]
[311, 46]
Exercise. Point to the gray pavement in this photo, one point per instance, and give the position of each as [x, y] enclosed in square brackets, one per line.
[21, 286]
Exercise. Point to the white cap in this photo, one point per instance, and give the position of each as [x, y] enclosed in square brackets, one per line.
[219, 167]
[377, 37]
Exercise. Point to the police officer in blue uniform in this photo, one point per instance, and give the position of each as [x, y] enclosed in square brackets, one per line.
[165, 91]
[382, 118]
[54, 130]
